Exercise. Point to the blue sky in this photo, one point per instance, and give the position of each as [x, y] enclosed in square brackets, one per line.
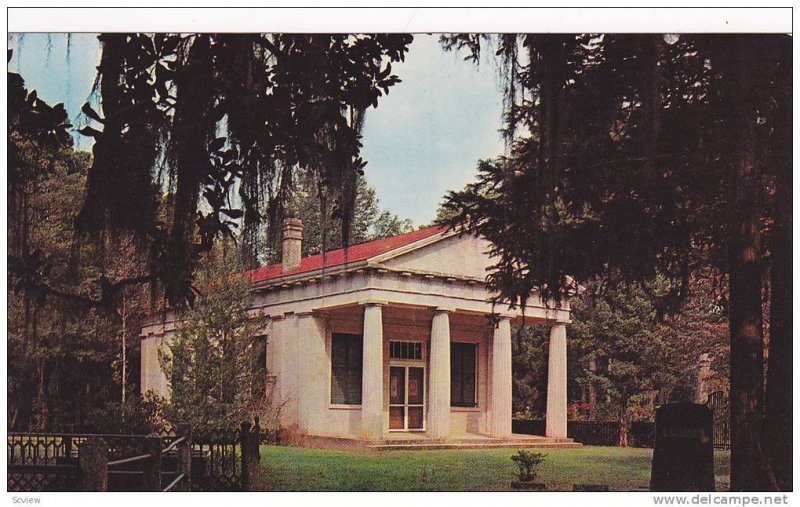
[424, 139]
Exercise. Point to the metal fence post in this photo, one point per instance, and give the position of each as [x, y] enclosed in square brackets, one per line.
[185, 457]
[254, 452]
[257, 431]
[67, 446]
[244, 438]
[93, 465]
[151, 470]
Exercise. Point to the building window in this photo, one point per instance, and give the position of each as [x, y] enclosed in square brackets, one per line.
[346, 367]
[463, 361]
[405, 350]
[259, 367]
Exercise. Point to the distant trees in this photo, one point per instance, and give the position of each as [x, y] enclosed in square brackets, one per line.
[636, 156]
[625, 359]
[628, 359]
[322, 233]
[65, 364]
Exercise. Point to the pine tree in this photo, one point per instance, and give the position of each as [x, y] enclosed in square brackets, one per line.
[642, 155]
[210, 363]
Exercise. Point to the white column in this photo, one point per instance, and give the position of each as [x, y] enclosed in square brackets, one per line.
[284, 340]
[439, 376]
[501, 379]
[556, 419]
[372, 373]
[313, 372]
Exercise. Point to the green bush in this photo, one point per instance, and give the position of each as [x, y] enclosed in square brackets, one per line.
[527, 462]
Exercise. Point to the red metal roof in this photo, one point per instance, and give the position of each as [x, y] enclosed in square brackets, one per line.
[342, 256]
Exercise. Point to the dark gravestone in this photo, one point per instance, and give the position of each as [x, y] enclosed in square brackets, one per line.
[683, 454]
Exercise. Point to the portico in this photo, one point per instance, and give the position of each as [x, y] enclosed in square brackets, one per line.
[395, 341]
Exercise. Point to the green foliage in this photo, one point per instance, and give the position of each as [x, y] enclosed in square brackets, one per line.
[642, 157]
[529, 368]
[212, 114]
[625, 360]
[140, 415]
[210, 362]
[64, 329]
[633, 361]
[63, 350]
[321, 233]
[634, 180]
[527, 463]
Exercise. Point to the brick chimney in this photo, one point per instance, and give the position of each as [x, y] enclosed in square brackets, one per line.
[292, 243]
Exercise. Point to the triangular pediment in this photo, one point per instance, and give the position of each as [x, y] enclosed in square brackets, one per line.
[458, 256]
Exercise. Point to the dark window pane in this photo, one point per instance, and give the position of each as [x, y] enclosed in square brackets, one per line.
[397, 385]
[462, 374]
[339, 385]
[416, 393]
[468, 360]
[346, 369]
[339, 352]
[455, 392]
[415, 418]
[354, 386]
[396, 417]
[405, 350]
[468, 391]
[259, 367]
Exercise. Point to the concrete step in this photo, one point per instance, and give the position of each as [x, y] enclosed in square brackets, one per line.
[519, 444]
[511, 440]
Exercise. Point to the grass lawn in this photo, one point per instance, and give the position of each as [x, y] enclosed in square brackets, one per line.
[298, 469]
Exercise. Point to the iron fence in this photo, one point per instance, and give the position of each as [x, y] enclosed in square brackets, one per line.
[718, 404]
[210, 460]
[607, 433]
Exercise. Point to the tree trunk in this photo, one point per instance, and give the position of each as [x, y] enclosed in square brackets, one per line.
[747, 353]
[778, 402]
[623, 423]
[592, 392]
[652, 104]
[124, 355]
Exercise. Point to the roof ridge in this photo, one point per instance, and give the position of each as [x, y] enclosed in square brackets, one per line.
[340, 256]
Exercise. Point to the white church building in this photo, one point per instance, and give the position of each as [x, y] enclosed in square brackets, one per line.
[393, 341]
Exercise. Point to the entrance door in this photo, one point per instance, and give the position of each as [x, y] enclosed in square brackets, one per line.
[406, 397]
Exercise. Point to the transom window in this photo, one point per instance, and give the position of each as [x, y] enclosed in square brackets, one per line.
[463, 362]
[346, 369]
[405, 350]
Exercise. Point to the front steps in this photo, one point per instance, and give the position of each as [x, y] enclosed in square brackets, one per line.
[478, 443]
[413, 442]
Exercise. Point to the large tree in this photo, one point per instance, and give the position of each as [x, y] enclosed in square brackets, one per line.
[67, 360]
[641, 156]
[225, 124]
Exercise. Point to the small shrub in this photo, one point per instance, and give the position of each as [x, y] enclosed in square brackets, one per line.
[527, 462]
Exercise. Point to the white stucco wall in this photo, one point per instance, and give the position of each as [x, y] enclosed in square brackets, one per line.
[152, 376]
[301, 314]
[310, 408]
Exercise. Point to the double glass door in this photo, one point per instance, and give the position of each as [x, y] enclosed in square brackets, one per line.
[406, 397]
